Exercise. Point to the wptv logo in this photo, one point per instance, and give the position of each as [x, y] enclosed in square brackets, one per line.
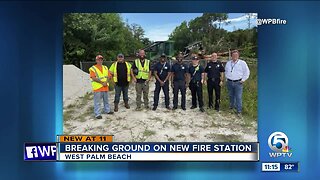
[40, 151]
[279, 143]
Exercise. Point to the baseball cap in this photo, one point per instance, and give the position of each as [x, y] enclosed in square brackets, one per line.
[120, 55]
[163, 55]
[99, 57]
[195, 58]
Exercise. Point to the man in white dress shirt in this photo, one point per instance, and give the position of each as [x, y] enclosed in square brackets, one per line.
[236, 72]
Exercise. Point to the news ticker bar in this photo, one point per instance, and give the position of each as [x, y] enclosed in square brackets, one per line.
[112, 151]
[280, 167]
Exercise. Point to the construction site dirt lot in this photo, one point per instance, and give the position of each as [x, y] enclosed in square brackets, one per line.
[162, 125]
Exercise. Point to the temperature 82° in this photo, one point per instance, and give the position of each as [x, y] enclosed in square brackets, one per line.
[288, 166]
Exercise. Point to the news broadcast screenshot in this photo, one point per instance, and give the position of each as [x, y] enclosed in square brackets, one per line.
[160, 89]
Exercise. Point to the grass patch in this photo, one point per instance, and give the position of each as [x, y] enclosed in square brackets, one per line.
[180, 136]
[71, 106]
[175, 125]
[107, 122]
[82, 119]
[85, 99]
[193, 135]
[88, 112]
[247, 121]
[249, 96]
[213, 124]
[67, 125]
[148, 133]
[223, 138]
[68, 115]
[88, 128]
[156, 119]
[125, 128]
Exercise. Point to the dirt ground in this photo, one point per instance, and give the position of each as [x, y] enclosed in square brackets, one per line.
[162, 125]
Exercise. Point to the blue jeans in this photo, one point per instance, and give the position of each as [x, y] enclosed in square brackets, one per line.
[235, 95]
[118, 90]
[97, 97]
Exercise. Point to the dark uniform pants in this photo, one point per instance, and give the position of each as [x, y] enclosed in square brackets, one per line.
[214, 84]
[196, 93]
[165, 89]
[179, 86]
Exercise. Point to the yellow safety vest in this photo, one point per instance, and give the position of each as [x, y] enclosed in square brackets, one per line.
[101, 76]
[113, 69]
[143, 72]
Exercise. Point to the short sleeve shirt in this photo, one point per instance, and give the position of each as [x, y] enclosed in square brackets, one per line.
[195, 73]
[179, 71]
[162, 70]
[213, 69]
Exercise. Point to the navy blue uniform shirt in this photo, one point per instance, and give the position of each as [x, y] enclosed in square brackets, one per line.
[162, 70]
[179, 71]
[196, 76]
[213, 69]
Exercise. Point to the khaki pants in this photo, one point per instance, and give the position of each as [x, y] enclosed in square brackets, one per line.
[142, 88]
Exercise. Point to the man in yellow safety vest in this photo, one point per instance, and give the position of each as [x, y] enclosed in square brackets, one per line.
[141, 75]
[99, 75]
[121, 72]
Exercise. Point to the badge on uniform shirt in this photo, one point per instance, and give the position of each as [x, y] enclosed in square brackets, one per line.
[209, 67]
[165, 67]
[218, 65]
[182, 67]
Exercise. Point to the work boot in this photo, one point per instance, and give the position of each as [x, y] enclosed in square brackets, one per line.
[126, 104]
[116, 107]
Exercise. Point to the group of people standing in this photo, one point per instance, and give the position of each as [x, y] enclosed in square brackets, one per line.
[181, 76]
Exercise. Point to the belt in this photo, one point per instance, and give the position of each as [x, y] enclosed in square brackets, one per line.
[178, 80]
[234, 80]
[218, 78]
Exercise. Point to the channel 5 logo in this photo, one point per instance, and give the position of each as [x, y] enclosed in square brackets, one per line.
[40, 151]
[279, 143]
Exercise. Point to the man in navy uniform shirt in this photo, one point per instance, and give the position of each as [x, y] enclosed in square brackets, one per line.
[162, 74]
[214, 71]
[196, 72]
[179, 82]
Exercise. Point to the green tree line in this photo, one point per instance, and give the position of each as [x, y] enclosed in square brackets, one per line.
[87, 34]
[208, 29]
